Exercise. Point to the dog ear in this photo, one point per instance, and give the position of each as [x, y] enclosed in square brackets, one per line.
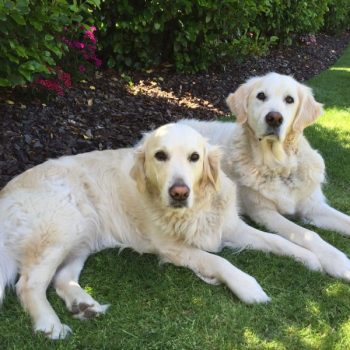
[211, 166]
[309, 109]
[238, 101]
[137, 172]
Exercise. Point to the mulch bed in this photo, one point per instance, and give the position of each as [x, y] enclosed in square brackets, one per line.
[111, 111]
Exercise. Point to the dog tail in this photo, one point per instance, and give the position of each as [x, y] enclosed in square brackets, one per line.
[8, 270]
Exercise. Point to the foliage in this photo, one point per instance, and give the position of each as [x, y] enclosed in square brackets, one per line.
[30, 34]
[189, 34]
[80, 60]
[192, 34]
[338, 16]
[285, 19]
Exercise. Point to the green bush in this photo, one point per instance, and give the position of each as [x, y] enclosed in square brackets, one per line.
[192, 34]
[188, 33]
[30, 32]
[288, 18]
[338, 16]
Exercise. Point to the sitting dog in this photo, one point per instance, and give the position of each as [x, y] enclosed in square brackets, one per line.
[168, 197]
[275, 168]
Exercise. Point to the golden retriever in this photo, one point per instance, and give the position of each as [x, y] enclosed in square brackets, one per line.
[275, 168]
[167, 196]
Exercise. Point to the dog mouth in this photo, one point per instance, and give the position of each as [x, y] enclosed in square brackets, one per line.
[270, 134]
[178, 204]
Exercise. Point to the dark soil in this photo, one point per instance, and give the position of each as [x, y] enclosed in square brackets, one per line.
[111, 111]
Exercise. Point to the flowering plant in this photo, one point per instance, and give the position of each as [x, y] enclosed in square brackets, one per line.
[79, 61]
[83, 48]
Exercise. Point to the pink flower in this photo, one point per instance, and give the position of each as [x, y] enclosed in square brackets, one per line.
[90, 35]
[78, 45]
[82, 68]
[92, 47]
[98, 62]
[65, 78]
[86, 56]
[51, 85]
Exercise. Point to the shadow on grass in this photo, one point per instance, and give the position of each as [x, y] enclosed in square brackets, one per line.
[334, 147]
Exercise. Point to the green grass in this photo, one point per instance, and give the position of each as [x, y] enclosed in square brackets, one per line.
[164, 307]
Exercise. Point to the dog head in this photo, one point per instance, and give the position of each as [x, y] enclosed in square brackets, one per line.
[274, 105]
[174, 163]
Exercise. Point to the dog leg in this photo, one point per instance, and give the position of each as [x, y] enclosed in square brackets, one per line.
[333, 261]
[35, 275]
[80, 303]
[320, 214]
[210, 267]
[245, 236]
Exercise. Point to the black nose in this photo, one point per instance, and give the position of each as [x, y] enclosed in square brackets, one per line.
[274, 119]
[179, 191]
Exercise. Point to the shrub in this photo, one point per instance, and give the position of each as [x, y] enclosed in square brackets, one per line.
[338, 16]
[192, 34]
[188, 33]
[30, 40]
[286, 19]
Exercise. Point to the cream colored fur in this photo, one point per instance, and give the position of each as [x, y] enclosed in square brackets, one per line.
[279, 174]
[53, 216]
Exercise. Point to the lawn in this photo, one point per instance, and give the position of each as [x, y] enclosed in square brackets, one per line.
[165, 307]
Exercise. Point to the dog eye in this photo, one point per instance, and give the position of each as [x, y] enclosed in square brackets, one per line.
[161, 156]
[194, 157]
[261, 96]
[289, 99]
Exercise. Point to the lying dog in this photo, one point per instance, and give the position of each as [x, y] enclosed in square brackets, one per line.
[177, 204]
[277, 171]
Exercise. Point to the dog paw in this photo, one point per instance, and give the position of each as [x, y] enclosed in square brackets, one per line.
[336, 264]
[311, 261]
[53, 330]
[251, 292]
[85, 311]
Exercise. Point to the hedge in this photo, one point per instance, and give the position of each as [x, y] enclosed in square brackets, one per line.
[192, 34]
[189, 34]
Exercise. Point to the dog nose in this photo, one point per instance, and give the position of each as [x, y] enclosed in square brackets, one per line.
[274, 119]
[179, 192]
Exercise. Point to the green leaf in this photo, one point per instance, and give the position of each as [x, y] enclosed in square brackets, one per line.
[36, 24]
[94, 2]
[49, 60]
[26, 73]
[156, 26]
[16, 79]
[12, 58]
[111, 62]
[74, 8]
[56, 50]
[48, 37]
[18, 18]
[32, 66]
[4, 82]
[9, 5]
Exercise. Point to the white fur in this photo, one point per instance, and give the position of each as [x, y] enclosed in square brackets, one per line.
[281, 174]
[53, 216]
